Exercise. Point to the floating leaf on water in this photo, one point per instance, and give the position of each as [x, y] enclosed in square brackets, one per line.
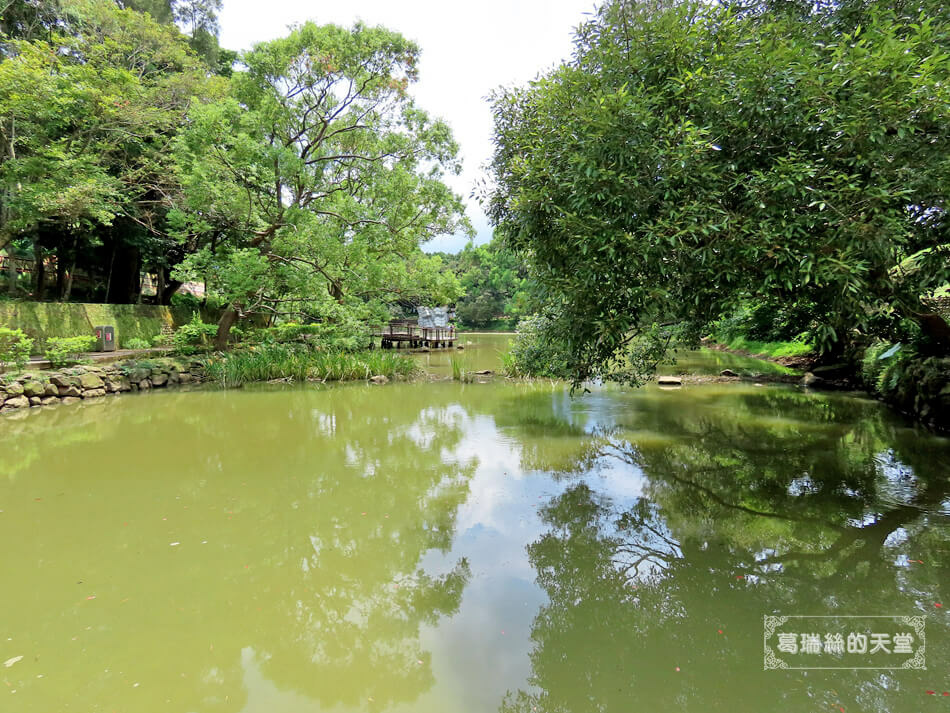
[9, 662]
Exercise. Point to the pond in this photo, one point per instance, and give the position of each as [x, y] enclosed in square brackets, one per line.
[464, 547]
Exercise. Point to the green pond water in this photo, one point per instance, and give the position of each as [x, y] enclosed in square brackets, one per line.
[465, 547]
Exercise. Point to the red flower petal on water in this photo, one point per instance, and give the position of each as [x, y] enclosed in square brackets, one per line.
[720, 631]
[740, 576]
[931, 693]
[938, 605]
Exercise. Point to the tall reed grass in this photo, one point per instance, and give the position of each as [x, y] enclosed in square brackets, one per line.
[509, 364]
[462, 369]
[280, 361]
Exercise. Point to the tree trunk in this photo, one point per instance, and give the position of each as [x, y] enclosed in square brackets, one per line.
[935, 328]
[74, 255]
[111, 268]
[228, 319]
[159, 283]
[125, 284]
[171, 287]
[39, 272]
[60, 271]
[12, 274]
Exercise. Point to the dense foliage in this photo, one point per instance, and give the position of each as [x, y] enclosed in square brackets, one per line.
[694, 159]
[497, 289]
[90, 97]
[531, 355]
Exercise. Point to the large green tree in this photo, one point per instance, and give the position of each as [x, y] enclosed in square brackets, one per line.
[692, 158]
[86, 116]
[320, 178]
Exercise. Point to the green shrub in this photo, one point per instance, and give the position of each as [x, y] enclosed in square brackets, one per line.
[135, 343]
[196, 336]
[62, 351]
[871, 363]
[15, 348]
[186, 300]
[348, 335]
[535, 352]
[883, 366]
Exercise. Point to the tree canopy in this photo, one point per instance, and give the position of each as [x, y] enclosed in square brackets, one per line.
[691, 158]
[316, 180]
[88, 110]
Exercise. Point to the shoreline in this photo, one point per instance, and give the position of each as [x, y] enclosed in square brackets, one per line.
[85, 382]
[29, 390]
[804, 363]
[486, 334]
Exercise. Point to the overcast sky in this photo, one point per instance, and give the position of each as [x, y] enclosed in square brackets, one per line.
[468, 49]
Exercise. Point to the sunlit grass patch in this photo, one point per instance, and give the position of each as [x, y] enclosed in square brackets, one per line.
[773, 350]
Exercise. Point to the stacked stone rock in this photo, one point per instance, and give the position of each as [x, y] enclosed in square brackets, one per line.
[90, 382]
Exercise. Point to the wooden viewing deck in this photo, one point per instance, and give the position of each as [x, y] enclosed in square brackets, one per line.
[399, 333]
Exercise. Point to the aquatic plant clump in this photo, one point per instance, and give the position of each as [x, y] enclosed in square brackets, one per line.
[279, 361]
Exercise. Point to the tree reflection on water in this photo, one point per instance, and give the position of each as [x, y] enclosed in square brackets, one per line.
[657, 604]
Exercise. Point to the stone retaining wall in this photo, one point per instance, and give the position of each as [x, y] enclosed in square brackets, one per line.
[90, 382]
[941, 305]
[42, 320]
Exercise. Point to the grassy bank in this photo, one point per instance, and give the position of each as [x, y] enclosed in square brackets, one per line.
[767, 350]
[267, 363]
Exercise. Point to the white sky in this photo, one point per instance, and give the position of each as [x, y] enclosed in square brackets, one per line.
[468, 49]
